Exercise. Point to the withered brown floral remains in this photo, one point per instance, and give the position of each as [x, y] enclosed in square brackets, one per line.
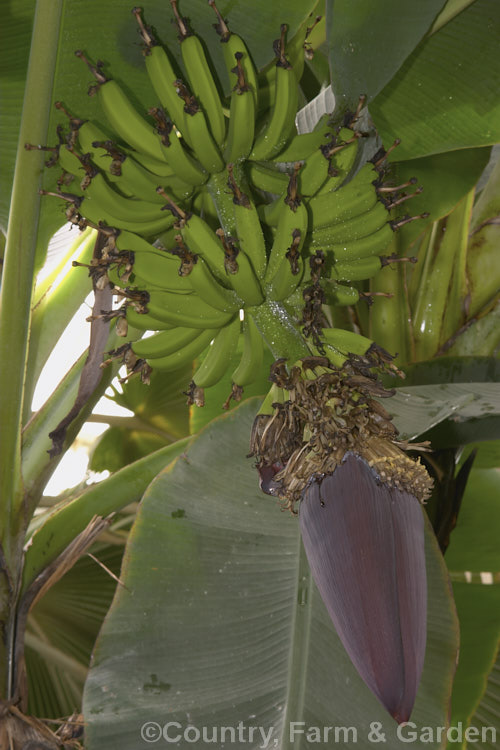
[327, 415]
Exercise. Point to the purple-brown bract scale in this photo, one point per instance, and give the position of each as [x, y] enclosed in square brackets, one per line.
[365, 545]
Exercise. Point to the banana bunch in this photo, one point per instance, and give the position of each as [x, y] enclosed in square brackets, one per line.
[232, 191]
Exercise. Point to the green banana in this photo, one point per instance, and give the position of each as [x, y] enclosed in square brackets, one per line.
[184, 356]
[338, 294]
[269, 213]
[292, 223]
[88, 132]
[200, 78]
[196, 126]
[355, 198]
[203, 206]
[252, 357]
[199, 236]
[173, 151]
[295, 52]
[216, 360]
[155, 268]
[240, 272]
[363, 247]
[265, 178]
[242, 117]
[248, 227]
[121, 113]
[289, 273]
[116, 276]
[281, 125]
[156, 168]
[136, 175]
[145, 322]
[364, 268]
[303, 145]
[346, 342]
[329, 165]
[186, 310]
[125, 240]
[164, 343]
[233, 45]
[83, 211]
[136, 179]
[351, 229]
[85, 132]
[210, 291]
[70, 161]
[162, 75]
[356, 270]
[114, 204]
[125, 174]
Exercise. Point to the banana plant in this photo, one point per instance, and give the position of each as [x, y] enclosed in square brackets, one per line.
[253, 244]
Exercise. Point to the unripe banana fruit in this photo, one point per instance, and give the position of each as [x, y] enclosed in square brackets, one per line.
[250, 213]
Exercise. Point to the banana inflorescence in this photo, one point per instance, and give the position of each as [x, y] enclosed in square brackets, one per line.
[212, 207]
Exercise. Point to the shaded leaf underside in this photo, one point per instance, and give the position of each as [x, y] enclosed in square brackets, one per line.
[239, 632]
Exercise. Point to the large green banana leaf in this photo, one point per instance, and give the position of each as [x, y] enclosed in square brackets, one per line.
[370, 41]
[218, 621]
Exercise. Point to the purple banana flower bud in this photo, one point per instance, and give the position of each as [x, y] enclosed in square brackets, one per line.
[266, 479]
[365, 544]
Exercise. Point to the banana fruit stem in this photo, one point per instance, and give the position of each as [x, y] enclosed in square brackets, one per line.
[279, 332]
